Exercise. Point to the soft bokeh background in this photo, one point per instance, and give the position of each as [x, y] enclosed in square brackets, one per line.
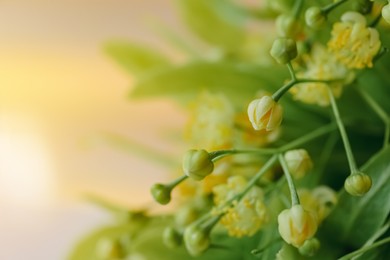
[59, 94]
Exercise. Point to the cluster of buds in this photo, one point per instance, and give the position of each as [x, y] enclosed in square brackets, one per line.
[238, 205]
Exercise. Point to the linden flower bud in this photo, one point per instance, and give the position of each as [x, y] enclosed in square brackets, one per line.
[296, 225]
[310, 247]
[298, 162]
[314, 17]
[358, 184]
[386, 12]
[265, 113]
[171, 237]
[109, 249]
[161, 193]
[196, 240]
[363, 6]
[287, 26]
[284, 50]
[197, 164]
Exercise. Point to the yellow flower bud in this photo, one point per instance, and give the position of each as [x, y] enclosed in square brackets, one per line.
[297, 225]
[161, 193]
[197, 164]
[358, 184]
[171, 237]
[284, 50]
[196, 240]
[386, 12]
[265, 113]
[310, 247]
[314, 17]
[298, 162]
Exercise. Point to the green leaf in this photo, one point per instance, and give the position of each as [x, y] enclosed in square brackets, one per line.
[217, 22]
[86, 249]
[239, 83]
[356, 219]
[147, 242]
[136, 148]
[136, 59]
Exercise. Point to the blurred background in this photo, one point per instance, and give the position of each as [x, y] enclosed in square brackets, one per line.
[59, 94]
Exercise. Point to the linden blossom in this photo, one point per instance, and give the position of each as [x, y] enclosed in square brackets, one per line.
[354, 44]
[298, 162]
[296, 225]
[265, 113]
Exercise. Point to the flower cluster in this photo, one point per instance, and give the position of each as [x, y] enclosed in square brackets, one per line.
[353, 42]
[260, 160]
[244, 217]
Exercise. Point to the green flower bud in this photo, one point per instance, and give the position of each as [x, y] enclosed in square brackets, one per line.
[280, 6]
[172, 238]
[386, 12]
[161, 193]
[298, 162]
[185, 216]
[197, 164]
[363, 6]
[358, 184]
[310, 247]
[196, 240]
[314, 17]
[284, 50]
[107, 248]
[287, 26]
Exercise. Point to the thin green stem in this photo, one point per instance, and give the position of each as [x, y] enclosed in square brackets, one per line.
[297, 8]
[290, 182]
[210, 223]
[365, 249]
[176, 182]
[380, 112]
[330, 7]
[291, 71]
[281, 91]
[376, 20]
[326, 81]
[217, 155]
[254, 179]
[375, 236]
[306, 138]
[249, 186]
[343, 133]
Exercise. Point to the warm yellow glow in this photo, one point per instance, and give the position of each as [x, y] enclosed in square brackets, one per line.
[25, 166]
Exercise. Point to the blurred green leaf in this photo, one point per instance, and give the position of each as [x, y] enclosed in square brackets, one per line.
[238, 83]
[136, 148]
[355, 219]
[218, 22]
[136, 59]
[148, 243]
